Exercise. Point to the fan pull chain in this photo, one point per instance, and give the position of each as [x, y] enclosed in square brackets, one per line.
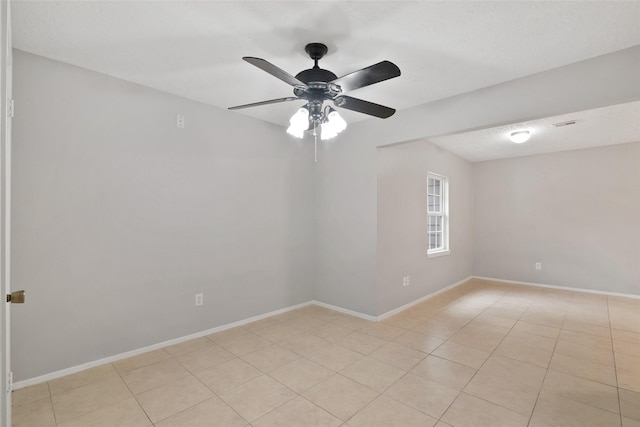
[315, 143]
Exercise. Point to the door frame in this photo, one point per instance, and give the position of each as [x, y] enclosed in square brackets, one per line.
[6, 109]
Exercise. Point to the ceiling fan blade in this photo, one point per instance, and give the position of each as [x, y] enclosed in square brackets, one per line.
[274, 71]
[375, 73]
[362, 106]
[271, 101]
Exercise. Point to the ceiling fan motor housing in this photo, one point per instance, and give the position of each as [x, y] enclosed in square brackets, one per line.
[315, 74]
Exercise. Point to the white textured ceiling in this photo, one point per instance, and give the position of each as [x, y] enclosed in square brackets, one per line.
[611, 125]
[194, 49]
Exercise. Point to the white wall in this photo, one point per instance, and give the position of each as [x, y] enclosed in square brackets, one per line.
[120, 217]
[576, 212]
[402, 225]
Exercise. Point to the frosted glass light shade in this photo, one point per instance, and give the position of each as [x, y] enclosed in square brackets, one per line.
[520, 136]
[333, 126]
[298, 123]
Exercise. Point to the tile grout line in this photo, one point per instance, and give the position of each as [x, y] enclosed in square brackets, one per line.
[239, 385]
[431, 354]
[535, 404]
[208, 388]
[407, 371]
[133, 395]
[55, 419]
[97, 409]
[615, 368]
[503, 293]
[483, 363]
[284, 385]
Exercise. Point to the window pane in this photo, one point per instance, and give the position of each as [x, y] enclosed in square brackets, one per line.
[433, 203]
[434, 186]
[438, 240]
[434, 224]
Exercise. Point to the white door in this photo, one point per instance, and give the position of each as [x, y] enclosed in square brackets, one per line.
[6, 111]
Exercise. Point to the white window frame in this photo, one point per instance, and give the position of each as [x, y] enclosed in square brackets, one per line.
[442, 213]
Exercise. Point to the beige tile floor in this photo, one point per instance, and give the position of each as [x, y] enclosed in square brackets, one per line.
[482, 354]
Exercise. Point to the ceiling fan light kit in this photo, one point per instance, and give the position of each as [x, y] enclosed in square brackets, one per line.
[317, 85]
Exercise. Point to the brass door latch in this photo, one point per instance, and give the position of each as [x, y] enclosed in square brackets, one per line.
[16, 297]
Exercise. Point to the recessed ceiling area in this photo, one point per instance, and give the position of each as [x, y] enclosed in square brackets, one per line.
[194, 48]
[616, 124]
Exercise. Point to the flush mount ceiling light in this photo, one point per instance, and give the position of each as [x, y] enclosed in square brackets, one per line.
[316, 85]
[520, 136]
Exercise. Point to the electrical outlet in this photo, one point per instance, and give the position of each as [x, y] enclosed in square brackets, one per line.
[406, 281]
[180, 121]
[538, 266]
[199, 300]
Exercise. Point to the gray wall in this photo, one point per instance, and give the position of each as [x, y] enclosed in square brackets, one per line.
[402, 225]
[119, 217]
[346, 194]
[576, 212]
[346, 224]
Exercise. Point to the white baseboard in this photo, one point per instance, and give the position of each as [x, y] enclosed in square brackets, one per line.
[111, 359]
[419, 300]
[564, 288]
[115, 358]
[345, 311]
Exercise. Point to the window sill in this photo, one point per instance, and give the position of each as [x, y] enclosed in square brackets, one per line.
[438, 253]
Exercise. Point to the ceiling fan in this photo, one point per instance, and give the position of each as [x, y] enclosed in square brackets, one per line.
[317, 85]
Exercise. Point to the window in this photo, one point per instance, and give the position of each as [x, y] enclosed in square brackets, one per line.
[437, 215]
